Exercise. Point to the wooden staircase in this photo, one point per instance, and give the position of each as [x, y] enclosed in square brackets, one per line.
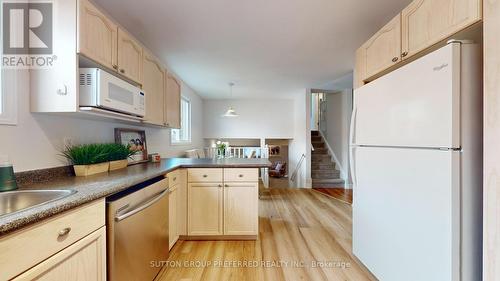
[323, 169]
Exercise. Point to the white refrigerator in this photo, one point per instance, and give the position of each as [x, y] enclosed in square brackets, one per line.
[416, 150]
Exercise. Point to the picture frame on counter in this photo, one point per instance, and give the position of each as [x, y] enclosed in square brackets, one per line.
[136, 139]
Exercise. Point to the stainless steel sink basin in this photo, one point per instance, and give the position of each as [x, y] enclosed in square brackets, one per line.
[13, 201]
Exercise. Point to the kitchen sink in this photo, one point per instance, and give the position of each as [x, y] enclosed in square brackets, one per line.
[13, 201]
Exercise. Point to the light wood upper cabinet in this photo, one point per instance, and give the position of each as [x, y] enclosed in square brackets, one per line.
[241, 206]
[383, 49]
[359, 69]
[154, 88]
[173, 103]
[84, 260]
[102, 41]
[129, 57]
[205, 209]
[97, 35]
[426, 22]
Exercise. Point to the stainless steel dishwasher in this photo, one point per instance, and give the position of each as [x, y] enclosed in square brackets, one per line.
[137, 231]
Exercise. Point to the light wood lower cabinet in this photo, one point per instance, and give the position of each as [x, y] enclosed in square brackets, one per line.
[241, 208]
[205, 175]
[84, 260]
[173, 234]
[227, 206]
[182, 202]
[35, 244]
[426, 22]
[205, 209]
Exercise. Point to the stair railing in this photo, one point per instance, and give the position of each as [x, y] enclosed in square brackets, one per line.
[240, 152]
[295, 172]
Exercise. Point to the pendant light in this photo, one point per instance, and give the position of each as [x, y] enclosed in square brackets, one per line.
[230, 111]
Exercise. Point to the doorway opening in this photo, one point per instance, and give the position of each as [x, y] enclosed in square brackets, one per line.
[330, 115]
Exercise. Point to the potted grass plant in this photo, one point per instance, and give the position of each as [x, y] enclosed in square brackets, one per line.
[118, 155]
[88, 159]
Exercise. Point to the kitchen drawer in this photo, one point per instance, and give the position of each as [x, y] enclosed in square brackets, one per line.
[174, 178]
[241, 174]
[205, 175]
[27, 247]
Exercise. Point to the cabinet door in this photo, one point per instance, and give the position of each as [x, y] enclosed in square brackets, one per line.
[182, 203]
[172, 216]
[154, 88]
[129, 57]
[426, 22]
[205, 211]
[359, 68]
[173, 103]
[241, 211]
[383, 49]
[84, 260]
[97, 35]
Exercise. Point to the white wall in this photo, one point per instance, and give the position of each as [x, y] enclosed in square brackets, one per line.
[338, 115]
[37, 139]
[298, 145]
[259, 118]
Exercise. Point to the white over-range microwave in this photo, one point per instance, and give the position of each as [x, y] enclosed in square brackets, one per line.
[101, 89]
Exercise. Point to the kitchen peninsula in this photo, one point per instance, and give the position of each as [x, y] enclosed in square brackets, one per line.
[208, 199]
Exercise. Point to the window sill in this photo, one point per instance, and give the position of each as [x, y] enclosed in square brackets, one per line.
[181, 143]
[12, 121]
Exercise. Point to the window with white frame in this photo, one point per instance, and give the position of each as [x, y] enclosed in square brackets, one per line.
[183, 135]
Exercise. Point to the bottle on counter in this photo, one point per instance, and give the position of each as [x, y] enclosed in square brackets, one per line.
[7, 177]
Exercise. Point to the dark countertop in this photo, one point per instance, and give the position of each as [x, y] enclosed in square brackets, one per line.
[102, 185]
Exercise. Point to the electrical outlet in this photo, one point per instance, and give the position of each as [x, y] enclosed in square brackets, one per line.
[4, 158]
[67, 141]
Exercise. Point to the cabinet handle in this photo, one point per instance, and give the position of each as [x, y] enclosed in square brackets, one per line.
[122, 70]
[395, 59]
[64, 232]
[404, 54]
[115, 66]
[226, 185]
[205, 176]
[240, 175]
[174, 178]
[220, 185]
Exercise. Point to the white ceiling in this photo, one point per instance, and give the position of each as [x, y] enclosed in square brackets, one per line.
[269, 48]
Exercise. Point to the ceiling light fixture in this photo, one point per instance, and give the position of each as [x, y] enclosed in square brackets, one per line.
[230, 111]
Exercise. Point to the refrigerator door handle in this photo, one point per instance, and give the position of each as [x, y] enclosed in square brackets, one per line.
[352, 166]
[352, 146]
[353, 125]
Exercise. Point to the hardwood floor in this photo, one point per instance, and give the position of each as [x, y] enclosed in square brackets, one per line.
[298, 229]
[337, 193]
[278, 182]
